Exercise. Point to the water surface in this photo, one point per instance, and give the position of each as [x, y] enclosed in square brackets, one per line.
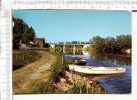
[116, 84]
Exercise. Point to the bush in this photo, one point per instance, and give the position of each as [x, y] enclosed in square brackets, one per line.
[42, 88]
[78, 87]
[36, 45]
[57, 69]
[24, 57]
[83, 88]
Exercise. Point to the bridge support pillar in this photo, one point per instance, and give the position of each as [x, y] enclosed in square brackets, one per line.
[63, 49]
[74, 49]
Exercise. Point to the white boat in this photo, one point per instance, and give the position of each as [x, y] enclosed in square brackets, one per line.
[97, 70]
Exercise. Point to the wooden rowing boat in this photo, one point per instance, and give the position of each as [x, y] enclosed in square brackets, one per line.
[97, 70]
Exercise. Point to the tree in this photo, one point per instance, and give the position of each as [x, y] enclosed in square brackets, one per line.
[112, 45]
[74, 42]
[124, 41]
[22, 32]
[28, 35]
[99, 43]
[61, 42]
[17, 31]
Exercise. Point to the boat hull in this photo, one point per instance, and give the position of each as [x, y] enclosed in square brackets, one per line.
[97, 70]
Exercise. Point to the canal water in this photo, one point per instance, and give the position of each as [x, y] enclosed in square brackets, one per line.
[114, 84]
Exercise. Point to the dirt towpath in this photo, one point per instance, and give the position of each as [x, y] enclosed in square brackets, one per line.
[36, 71]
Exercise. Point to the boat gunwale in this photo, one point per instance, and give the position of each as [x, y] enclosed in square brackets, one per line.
[89, 70]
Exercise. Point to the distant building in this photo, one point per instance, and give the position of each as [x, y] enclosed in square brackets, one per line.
[128, 51]
[39, 41]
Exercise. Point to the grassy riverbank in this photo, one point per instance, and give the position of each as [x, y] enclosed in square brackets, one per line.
[60, 81]
[49, 75]
[24, 57]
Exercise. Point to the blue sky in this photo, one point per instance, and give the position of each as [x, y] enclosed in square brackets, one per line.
[79, 25]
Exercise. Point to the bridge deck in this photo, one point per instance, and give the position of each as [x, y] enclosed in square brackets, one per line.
[68, 44]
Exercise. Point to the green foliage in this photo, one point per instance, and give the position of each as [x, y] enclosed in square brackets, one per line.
[112, 45]
[99, 42]
[124, 41]
[22, 32]
[90, 49]
[54, 73]
[78, 88]
[36, 45]
[24, 57]
[57, 69]
[83, 88]
[69, 61]
[42, 88]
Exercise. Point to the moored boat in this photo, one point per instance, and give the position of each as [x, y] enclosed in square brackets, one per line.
[80, 62]
[97, 70]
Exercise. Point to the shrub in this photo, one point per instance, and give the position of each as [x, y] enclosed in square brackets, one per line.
[41, 88]
[83, 88]
[24, 57]
[57, 69]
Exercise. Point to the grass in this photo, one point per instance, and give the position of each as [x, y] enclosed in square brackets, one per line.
[80, 87]
[29, 79]
[42, 88]
[24, 57]
[57, 71]
[69, 61]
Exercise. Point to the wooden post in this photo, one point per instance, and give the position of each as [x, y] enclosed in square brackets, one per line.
[72, 74]
[62, 59]
[63, 52]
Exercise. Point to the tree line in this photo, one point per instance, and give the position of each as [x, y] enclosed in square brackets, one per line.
[22, 33]
[111, 45]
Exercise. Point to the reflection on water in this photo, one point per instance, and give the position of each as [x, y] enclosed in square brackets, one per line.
[115, 58]
[117, 84]
[112, 83]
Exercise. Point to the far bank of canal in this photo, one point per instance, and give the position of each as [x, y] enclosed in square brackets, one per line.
[116, 84]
